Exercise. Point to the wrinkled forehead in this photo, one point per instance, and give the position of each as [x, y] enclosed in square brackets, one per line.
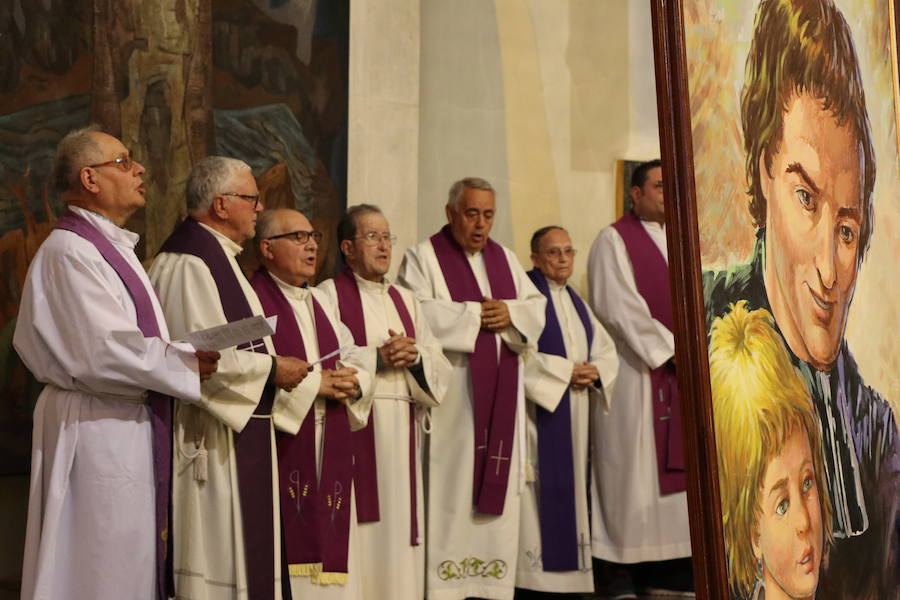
[479, 199]
[371, 221]
[289, 220]
[555, 238]
[109, 146]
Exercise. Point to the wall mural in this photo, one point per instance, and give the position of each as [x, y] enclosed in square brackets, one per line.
[261, 80]
[793, 129]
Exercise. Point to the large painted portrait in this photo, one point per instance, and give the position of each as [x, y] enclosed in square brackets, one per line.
[265, 81]
[790, 207]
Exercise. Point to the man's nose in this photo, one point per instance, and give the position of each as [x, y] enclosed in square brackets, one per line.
[825, 241]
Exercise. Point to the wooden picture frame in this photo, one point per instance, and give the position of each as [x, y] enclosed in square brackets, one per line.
[707, 540]
[684, 252]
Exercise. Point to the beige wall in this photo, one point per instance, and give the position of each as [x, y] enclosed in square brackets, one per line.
[383, 148]
[541, 97]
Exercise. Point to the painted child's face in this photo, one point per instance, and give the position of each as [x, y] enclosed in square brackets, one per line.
[790, 526]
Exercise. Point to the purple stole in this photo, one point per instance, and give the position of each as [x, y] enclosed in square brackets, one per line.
[316, 514]
[253, 445]
[556, 466]
[160, 405]
[495, 383]
[651, 276]
[365, 477]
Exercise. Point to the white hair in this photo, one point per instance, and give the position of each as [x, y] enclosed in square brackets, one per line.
[209, 178]
[469, 183]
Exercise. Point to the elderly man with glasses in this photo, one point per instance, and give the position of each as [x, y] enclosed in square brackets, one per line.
[412, 376]
[226, 521]
[569, 378]
[91, 329]
[316, 462]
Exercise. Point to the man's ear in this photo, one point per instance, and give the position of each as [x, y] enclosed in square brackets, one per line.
[448, 210]
[635, 192]
[346, 248]
[534, 260]
[88, 180]
[219, 207]
[265, 249]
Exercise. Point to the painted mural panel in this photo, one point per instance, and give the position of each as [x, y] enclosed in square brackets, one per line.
[796, 171]
[176, 80]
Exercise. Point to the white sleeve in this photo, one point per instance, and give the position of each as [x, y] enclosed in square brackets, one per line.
[190, 300]
[455, 324]
[616, 301]
[436, 367]
[74, 331]
[527, 311]
[606, 360]
[546, 378]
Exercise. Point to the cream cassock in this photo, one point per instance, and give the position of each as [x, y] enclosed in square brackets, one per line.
[631, 521]
[389, 566]
[209, 549]
[363, 360]
[469, 554]
[547, 376]
[91, 530]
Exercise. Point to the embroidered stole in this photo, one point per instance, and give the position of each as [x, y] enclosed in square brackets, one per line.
[651, 276]
[316, 514]
[495, 383]
[160, 405]
[556, 464]
[253, 445]
[365, 479]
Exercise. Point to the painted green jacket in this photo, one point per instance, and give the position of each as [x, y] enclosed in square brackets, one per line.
[860, 447]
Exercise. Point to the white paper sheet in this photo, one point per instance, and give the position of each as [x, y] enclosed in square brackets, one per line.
[232, 334]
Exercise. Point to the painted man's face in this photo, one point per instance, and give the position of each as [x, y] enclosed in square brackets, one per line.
[790, 538]
[813, 216]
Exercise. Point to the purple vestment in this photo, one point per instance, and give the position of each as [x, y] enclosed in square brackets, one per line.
[651, 276]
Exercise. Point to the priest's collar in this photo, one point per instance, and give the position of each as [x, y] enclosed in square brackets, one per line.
[296, 292]
[648, 223]
[228, 244]
[374, 286]
[113, 232]
[553, 285]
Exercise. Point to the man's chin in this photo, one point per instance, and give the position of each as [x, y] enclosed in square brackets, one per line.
[823, 349]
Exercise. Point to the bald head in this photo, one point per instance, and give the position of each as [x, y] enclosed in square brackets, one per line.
[95, 171]
[287, 245]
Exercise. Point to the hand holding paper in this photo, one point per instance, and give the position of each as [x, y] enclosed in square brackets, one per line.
[232, 334]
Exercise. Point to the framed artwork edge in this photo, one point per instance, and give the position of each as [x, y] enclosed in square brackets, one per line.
[673, 106]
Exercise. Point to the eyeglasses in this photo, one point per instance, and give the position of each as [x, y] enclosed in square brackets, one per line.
[252, 199]
[123, 162]
[559, 252]
[372, 238]
[301, 237]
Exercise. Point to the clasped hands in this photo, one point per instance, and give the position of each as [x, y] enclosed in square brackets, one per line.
[584, 374]
[336, 384]
[494, 315]
[398, 351]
